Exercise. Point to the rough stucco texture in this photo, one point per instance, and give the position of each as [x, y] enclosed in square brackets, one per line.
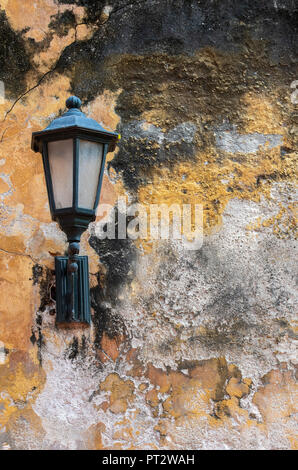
[187, 349]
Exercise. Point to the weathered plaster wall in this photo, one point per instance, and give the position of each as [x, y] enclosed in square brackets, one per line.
[188, 349]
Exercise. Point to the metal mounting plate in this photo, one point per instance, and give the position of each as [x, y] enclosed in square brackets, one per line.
[81, 291]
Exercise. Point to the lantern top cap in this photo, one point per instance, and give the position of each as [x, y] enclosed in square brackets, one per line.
[74, 120]
[73, 102]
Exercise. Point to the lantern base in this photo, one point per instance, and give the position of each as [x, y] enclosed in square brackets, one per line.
[73, 222]
[77, 311]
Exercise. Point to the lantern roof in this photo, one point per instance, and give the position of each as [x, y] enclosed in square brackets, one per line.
[74, 119]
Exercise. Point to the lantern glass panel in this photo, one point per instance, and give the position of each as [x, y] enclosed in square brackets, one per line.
[90, 159]
[60, 155]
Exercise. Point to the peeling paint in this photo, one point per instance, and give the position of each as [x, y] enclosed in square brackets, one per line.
[231, 141]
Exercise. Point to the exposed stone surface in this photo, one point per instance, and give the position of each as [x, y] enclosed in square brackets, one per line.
[188, 348]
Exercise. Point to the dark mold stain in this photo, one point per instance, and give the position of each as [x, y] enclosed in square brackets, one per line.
[36, 273]
[37, 337]
[46, 279]
[33, 338]
[185, 62]
[146, 44]
[118, 257]
[183, 26]
[77, 349]
[84, 346]
[137, 157]
[105, 320]
[63, 22]
[14, 60]
[154, 28]
[93, 8]
[73, 349]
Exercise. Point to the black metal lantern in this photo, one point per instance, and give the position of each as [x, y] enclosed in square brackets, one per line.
[74, 150]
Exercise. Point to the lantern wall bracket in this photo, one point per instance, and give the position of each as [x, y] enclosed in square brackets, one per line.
[84, 143]
[72, 290]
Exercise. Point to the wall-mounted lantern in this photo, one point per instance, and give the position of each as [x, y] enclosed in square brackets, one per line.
[74, 150]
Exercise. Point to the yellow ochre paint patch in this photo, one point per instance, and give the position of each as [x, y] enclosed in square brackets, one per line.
[213, 183]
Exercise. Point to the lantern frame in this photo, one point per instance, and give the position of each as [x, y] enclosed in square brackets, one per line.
[73, 220]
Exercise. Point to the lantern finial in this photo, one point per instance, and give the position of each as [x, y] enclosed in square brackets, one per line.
[73, 102]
